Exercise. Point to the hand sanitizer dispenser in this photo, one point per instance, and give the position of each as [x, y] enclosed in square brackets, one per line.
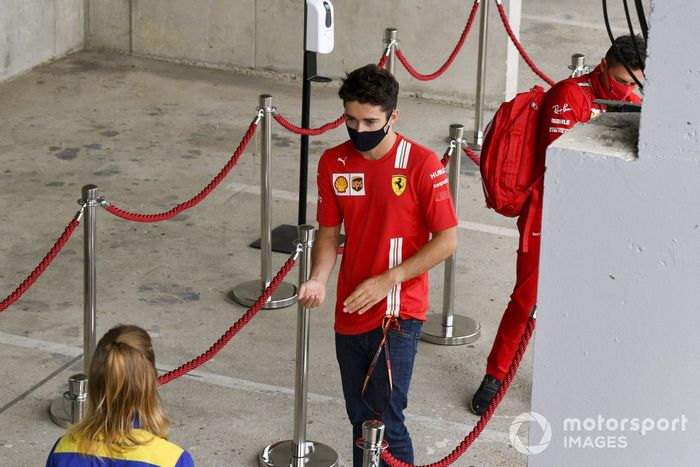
[319, 26]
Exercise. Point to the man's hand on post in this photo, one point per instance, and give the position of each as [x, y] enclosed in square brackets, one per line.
[312, 293]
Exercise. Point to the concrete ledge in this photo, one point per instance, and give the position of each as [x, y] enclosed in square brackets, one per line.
[611, 134]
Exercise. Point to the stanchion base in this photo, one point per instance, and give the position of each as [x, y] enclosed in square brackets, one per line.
[284, 239]
[464, 330]
[281, 454]
[59, 411]
[247, 294]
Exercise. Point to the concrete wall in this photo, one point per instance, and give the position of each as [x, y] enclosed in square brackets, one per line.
[36, 31]
[617, 335]
[268, 35]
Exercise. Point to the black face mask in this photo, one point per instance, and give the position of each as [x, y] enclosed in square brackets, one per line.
[365, 141]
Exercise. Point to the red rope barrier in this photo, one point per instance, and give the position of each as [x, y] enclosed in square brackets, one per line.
[382, 61]
[472, 155]
[232, 331]
[308, 131]
[481, 424]
[445, 159]
[452, 56]
[136, 217]
[39, 270]
[467, 150]
[528, 60]
[323, 128]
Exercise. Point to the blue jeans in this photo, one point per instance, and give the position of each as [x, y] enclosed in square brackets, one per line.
[354, 353]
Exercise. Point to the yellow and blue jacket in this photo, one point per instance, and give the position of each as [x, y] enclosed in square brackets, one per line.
[158, 452]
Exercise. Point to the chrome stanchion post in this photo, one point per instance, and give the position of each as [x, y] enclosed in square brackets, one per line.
[70, 408]
[300, 452]
[391, 36]
[90, 276]
[448, 328]
[265, 192]
[63, 409]
[372, 442]
[301, 379]
[481, 77]
[578, 66]
[77, 395]
[248, 292]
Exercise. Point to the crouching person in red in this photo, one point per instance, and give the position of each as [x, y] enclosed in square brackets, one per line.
[568, 102]
[125, 424]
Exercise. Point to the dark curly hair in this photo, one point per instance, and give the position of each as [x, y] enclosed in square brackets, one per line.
[370, 85]
[629, 50]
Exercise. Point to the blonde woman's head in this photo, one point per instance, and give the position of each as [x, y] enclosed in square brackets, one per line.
[122, 392]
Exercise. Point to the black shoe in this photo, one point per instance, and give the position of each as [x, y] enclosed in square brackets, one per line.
[485, 394]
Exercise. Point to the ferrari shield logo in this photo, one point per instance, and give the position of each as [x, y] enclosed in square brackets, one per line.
[398, 184]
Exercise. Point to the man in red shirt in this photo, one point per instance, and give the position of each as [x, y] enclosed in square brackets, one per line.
[568, 102]
[390, 194]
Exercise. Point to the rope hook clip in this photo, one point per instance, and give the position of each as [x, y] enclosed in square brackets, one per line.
[450, 150]
[297, 251]
[259, 116]
[393, 44]
[83, 204]
[79, 215]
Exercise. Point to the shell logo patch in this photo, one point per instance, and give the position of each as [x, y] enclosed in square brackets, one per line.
[398, 184]
[349, 184]
[340, 184]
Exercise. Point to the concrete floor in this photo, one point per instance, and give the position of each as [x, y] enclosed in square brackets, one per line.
[150, 135]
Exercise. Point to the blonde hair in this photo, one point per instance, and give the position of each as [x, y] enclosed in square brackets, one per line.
[122, 391]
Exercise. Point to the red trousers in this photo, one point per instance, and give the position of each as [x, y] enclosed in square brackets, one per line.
[524, 296]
